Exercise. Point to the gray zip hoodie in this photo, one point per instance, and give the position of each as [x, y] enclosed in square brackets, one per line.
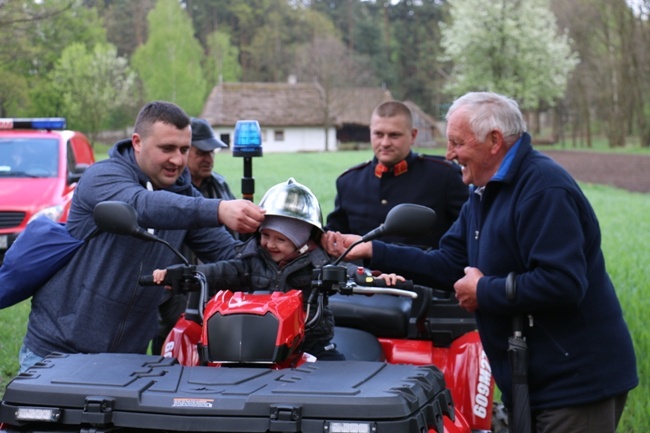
[94, 303]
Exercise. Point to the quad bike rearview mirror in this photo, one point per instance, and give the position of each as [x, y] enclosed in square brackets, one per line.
[406, 219]
[116, 217]
[121, 218]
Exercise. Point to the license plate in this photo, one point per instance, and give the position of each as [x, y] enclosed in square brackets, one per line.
[4, 241]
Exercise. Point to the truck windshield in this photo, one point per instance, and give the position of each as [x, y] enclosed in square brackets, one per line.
[28, 157]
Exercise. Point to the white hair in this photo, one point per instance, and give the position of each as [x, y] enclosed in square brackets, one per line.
[488, 111]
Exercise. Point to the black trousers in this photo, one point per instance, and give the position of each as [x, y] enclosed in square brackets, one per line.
[599, 417]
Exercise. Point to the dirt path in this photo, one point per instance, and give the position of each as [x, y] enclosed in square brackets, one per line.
[630, 172]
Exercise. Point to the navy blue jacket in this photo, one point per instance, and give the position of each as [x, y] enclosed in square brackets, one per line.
[94, 303]
[533, 219]
[363, 200]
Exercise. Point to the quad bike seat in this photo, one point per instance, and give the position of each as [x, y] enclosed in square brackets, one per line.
[434, 315]
[358, 345]
[381, 315]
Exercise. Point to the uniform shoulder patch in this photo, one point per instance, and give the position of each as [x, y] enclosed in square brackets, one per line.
[432, 157]
[356, 167]
[435, 158]
[438, 159]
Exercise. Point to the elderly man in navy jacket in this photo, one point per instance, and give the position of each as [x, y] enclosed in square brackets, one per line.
[366, 192]
[526, 216]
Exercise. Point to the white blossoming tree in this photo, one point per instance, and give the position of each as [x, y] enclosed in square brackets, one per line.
[511, 47]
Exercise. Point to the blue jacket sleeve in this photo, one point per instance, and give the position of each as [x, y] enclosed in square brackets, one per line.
[156, 209]
[554, 232]
[439, 268]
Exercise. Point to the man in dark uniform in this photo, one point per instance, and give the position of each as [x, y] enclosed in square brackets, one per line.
[366, 192]
[200, 163]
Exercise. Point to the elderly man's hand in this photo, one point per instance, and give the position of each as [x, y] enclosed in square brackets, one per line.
[242, 216]
[336, 243]
[466, 289]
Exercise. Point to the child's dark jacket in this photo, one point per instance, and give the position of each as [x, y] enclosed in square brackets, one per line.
[254, 270]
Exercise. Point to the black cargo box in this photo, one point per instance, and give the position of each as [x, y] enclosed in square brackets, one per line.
[125, 392]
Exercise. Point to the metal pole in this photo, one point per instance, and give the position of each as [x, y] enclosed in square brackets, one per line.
[248, 181]
[518, 356]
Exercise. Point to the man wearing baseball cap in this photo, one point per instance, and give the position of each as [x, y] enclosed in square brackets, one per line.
[201, 161]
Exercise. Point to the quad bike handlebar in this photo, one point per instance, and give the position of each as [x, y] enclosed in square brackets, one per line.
[181, 278]
[333, 279]
[404, 219]
[185, 278]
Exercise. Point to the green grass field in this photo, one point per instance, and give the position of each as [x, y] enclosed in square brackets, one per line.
[623, 218]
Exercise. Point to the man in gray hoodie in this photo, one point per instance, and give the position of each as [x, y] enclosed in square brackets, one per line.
[94, 303]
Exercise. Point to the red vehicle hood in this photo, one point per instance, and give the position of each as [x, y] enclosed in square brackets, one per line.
[30, 195]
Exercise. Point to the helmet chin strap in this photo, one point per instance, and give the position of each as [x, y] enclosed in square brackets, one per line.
[303, 248]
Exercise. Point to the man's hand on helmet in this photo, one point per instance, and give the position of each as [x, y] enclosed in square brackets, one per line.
[242, 216]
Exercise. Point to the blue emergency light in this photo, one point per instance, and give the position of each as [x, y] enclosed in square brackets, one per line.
[48, 123]
[248, 138]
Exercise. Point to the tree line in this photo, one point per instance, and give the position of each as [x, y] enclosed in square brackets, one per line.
[582, 64]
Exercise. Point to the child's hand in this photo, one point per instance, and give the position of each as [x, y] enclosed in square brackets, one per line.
[391, 279]
[159, 275]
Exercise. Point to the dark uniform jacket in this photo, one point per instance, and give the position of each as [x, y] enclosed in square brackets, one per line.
[363, 199]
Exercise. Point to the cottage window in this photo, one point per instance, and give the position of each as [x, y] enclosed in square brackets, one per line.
[279, 134]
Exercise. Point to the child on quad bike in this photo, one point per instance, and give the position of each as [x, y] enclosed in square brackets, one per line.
[282, 257]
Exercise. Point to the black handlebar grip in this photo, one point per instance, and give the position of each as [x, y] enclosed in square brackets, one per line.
[404, 285]
[146, 280]
[363, 277]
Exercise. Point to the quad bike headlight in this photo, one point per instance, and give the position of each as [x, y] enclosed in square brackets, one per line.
[38, 414]
[350, 427]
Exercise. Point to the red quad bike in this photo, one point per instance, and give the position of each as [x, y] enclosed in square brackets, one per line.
[429, 329]
[389, 326]
[264, 383]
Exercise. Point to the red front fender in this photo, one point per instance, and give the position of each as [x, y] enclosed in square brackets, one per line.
[466, 369]
[181, 342]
